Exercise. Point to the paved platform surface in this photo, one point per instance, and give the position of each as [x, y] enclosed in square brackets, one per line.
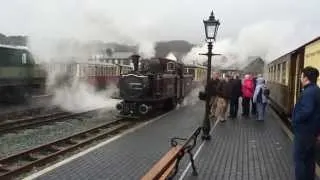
[245, 149]
[131, 156]
[241, 149]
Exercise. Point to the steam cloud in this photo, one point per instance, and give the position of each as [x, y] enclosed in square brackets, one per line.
[268, 39]
[68, 39]
[171, 56]
[192, 98]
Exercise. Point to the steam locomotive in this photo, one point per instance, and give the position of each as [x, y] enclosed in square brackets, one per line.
[158, 83]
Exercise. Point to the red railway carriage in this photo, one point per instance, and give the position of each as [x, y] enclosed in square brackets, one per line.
[99, 75]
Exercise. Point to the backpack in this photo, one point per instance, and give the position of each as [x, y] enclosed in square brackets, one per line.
[259, 96]
[265, 91]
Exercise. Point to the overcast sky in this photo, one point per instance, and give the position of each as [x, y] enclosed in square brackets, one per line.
[267, 28]
[149, 19]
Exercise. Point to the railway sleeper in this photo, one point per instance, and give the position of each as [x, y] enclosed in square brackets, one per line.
[83, 136]
[52, 148]
[97, 131]
[3, 169]
[71, 142]
[29, 157]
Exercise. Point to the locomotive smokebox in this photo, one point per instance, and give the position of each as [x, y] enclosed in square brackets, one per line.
[135, 61]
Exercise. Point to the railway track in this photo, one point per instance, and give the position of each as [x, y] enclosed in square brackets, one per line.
[15, 125]
[15, 165]
[27, 112]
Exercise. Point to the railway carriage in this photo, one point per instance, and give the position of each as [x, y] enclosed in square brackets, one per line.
[284, 75]
[20, 76]
[199, 74]
[99, 75]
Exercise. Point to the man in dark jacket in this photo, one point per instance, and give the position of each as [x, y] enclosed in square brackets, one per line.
[306, 123]
[234, 97]
[223, 97]
[213, 84]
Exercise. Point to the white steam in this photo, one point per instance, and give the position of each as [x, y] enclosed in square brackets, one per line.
[268, 39]
[146, 49]
[81, 96]
[58, 36]
[73, 93]
[171, 56]
[192, 98]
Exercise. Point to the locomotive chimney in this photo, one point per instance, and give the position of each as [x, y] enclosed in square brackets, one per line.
[135, 61]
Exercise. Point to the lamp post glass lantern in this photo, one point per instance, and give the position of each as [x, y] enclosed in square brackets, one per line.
[211, 28]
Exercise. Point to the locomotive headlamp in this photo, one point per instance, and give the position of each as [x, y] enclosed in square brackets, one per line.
[211, 27]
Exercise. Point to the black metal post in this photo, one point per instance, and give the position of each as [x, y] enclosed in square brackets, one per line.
[206, 126]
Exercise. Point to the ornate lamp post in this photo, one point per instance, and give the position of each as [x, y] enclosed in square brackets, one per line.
[211, 28]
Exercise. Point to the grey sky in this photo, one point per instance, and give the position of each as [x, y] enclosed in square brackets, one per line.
[128, 20]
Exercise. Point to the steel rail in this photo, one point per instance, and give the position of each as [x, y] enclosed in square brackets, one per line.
[14, 125]
[23, 162]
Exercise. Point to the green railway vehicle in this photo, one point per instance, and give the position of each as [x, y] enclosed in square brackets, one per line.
[20, 76]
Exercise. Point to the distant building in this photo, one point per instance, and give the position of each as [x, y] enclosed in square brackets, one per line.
[230, 72]
[122, 58]
[255, 66]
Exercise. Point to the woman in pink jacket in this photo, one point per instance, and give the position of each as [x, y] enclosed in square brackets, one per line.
[247, 94]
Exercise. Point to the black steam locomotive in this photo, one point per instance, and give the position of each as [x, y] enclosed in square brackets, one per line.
[157, 83]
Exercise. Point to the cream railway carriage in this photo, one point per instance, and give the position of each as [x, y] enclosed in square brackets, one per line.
[284, 74]
[199, 74]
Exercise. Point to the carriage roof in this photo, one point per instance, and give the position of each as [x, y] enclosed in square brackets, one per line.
[13, 47]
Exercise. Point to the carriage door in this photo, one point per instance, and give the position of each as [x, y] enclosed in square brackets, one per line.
[297, 74]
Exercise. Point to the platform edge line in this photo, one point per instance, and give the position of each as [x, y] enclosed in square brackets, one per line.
[184, 173]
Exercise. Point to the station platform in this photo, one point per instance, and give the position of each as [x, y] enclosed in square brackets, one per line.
[245, 149]
[239, 149]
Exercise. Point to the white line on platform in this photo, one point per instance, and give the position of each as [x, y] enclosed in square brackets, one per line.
[50, 168]
[184, 173]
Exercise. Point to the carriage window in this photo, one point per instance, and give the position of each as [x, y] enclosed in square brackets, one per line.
[24, 58]
[284, 73]
[278, 72]
[274, 73]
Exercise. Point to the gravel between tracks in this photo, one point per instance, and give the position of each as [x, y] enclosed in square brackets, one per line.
[14, 143]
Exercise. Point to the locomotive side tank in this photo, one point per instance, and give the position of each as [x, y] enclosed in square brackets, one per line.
[159, 83]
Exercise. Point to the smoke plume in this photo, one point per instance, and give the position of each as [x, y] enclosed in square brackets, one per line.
[171, 56]
[268, 39]
[59, 36]
[192, 98]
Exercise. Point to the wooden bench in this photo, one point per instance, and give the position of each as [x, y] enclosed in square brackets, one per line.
[167, 167]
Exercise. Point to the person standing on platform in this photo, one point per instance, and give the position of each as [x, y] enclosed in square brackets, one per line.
[247, 93]
[234, 97]
[213, 93]
[260, 98]
[306, 125]
[223, 96]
